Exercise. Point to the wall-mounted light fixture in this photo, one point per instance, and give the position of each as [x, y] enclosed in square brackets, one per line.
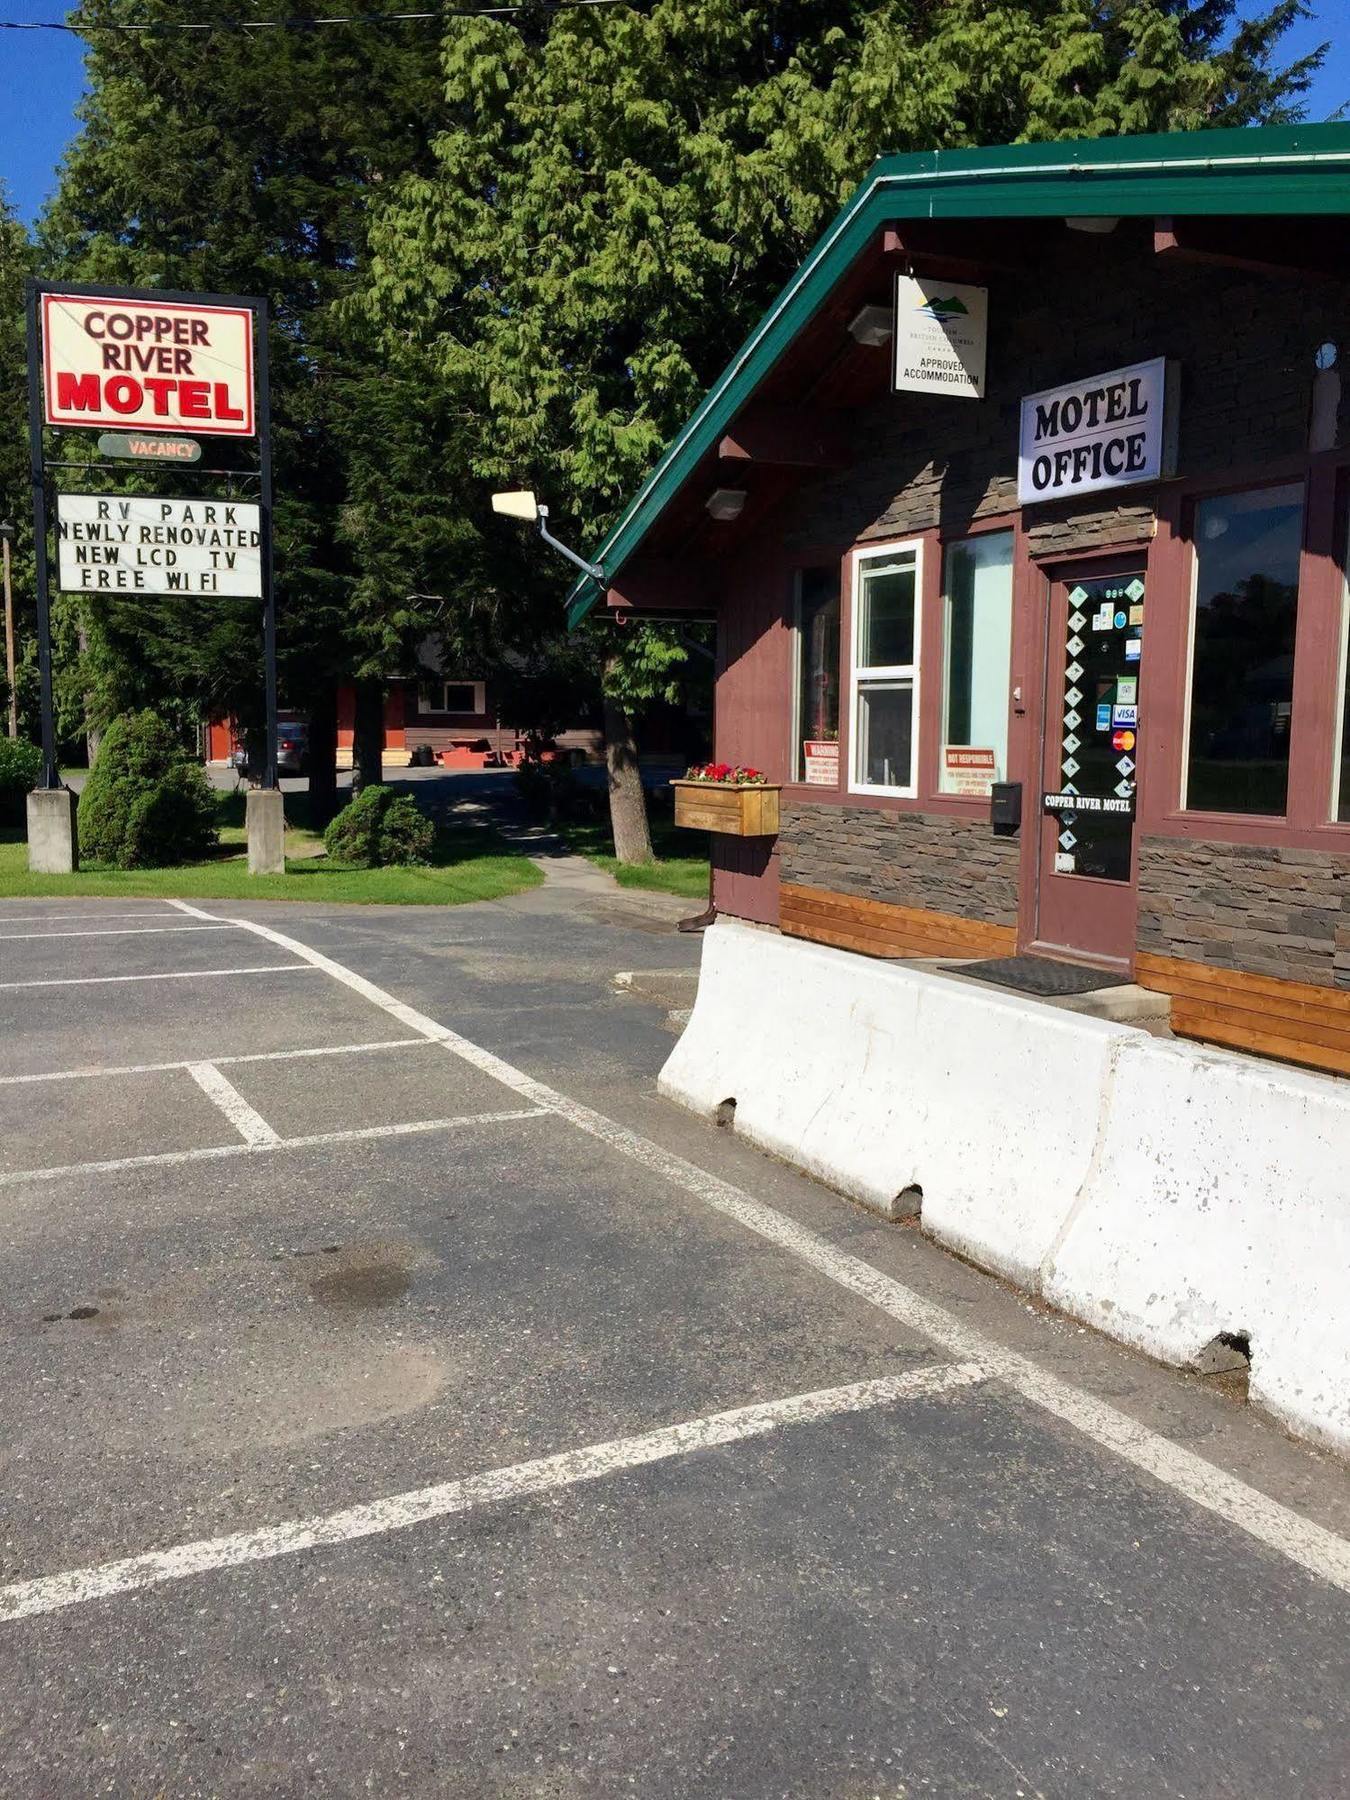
[726, 503]
[520, 503]
[872, 325]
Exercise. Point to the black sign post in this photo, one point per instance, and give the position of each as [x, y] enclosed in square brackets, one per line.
[51, 777]
[172, 435]
[265, 528]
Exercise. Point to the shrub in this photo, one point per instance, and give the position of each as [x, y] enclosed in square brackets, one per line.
[20, 770]
[146, 804]
[379, 828]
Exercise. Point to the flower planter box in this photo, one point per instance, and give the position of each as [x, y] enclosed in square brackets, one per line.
[750, 811]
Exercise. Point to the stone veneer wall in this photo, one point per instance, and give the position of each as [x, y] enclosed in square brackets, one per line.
[1241, 906]
[944, 864]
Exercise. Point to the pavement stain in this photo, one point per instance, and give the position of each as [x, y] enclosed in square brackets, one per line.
[358, 1277]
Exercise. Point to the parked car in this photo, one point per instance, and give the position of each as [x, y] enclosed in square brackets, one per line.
[292, 747]
[292, 751]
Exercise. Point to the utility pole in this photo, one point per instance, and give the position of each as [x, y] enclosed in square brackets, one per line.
[6, 539]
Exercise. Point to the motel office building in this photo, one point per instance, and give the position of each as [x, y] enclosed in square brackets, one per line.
[1060, 666]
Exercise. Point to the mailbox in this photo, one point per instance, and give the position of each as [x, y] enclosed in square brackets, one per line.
[1005, 807]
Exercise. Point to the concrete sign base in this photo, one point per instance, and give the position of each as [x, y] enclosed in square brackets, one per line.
[1171, 1195]
[265, 821]
[53, 839]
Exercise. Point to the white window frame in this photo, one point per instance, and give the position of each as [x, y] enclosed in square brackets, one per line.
[944, 742]
[897, 675]
[441, 712]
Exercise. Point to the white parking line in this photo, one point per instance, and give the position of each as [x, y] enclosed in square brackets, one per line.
[106, 1070]
[23, 937]
[160, 975]
[9, 918]
[215, 1152]
[1204, 1483]
[50, 1593]
[250, 1124]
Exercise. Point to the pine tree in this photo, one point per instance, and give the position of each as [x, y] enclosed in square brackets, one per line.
[245, 162]
[619, 192]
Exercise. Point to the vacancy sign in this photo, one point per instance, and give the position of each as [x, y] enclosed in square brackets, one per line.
[151, 365]
[138, 545]
[941, 328]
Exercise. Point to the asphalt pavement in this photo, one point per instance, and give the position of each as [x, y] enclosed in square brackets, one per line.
[397, 1397]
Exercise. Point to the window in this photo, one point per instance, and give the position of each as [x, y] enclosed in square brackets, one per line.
[977, 582]
[461, 698]
[815, 754]
[1242, 658]
[885, 663]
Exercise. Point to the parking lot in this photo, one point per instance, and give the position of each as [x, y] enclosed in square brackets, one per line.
[397, 1398]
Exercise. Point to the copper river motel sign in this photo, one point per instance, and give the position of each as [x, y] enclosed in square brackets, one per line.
[1110, 431]
[150, 365]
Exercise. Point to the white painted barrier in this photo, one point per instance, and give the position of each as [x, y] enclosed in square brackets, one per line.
[1166, 1193]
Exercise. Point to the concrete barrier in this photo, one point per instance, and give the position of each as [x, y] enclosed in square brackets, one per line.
[1167, 1194]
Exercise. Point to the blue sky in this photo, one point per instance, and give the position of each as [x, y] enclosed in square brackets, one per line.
[41, 79]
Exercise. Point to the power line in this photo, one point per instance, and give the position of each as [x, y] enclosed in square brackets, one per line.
[155, 26]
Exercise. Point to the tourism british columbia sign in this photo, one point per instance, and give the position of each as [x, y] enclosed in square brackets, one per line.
[148, 364]
[133, 544]
[941, 329]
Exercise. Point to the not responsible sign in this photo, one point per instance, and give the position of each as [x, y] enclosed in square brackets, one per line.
[153, 365]
[140, 545]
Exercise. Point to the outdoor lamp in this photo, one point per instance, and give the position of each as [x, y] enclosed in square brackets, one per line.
[519, 504]
[873, 326]
[522, 503]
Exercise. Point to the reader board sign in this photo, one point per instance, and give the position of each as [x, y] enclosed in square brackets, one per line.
[1110, 431]
[107, 544]
[941, 328]
[146, 364]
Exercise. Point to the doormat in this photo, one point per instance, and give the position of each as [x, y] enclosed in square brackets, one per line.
[1041, 975]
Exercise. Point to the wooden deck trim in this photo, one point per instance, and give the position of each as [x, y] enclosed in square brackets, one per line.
[1293, 1021]
[878, 928]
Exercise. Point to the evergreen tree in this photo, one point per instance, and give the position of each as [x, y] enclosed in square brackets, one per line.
[619, 192]
[245, 161]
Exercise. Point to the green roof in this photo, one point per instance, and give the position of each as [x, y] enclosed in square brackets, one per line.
[1274, 169]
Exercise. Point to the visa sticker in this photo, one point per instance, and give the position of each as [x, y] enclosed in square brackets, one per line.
[1104, 716]
[1134, 649]
[1124, 715]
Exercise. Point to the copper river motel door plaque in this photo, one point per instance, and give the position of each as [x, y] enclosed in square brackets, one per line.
[1085, 892]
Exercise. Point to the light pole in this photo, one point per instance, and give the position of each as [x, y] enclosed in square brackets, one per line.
[6, 539]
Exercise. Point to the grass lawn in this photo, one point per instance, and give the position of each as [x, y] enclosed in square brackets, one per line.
[681, 865]
[469, 864]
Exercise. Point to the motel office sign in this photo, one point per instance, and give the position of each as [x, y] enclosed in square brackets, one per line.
[1110, 431]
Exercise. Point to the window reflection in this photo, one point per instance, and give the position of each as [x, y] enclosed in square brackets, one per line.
[1242, 671]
